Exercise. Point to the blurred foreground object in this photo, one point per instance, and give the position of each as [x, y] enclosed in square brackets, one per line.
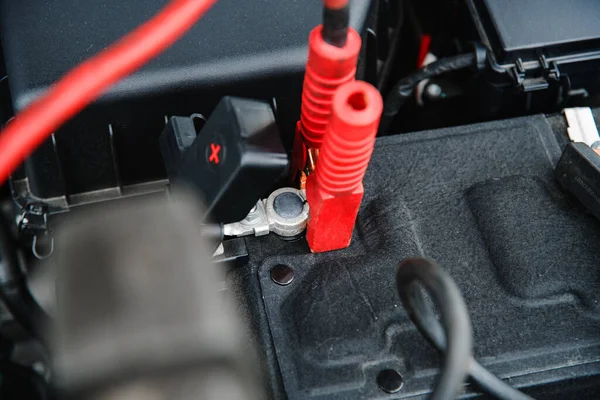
[139, 315]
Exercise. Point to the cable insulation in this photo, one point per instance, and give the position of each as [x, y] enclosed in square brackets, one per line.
[335, 4]
[446, 295]
[454, 315]
[92, 78]
[404, 88]
[336, 19]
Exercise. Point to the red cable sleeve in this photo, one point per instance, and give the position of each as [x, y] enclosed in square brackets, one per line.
[92, 78]
[423, 50]
[335, 4]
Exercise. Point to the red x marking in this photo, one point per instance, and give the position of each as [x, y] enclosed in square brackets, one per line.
[214, 155]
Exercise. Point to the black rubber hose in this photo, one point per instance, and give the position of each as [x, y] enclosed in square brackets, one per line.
[453, 313]
[14, 291]
[424, 318]
[492, 385]
[403, 89]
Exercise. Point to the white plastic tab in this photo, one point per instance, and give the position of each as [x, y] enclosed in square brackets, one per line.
[582, 127]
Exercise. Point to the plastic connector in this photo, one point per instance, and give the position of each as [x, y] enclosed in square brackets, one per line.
[334, 192]
[240, 143]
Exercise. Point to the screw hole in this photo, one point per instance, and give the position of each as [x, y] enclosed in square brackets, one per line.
[358, 101]
[282, 274]
[390, 381]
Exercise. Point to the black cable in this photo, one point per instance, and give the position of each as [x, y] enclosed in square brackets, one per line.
[18, 381]
[30, 381]
[335, 25]
[453, 311]
[492, 385]
[14, 291]
[403, 89]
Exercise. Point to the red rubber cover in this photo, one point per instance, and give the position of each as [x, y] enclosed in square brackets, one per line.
[328, 68]
[334, 192]
[350, 138]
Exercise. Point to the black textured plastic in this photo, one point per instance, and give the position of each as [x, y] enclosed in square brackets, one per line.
[178, 136]
[482, 201]
[544, 23]
[529, 29]
[236, 40]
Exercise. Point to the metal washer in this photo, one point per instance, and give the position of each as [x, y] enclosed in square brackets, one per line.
[282, 226]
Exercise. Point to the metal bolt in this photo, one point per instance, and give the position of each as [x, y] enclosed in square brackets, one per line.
[390, 381]
[434, 91]
[282, 274]
[288, 205]
[287, 212]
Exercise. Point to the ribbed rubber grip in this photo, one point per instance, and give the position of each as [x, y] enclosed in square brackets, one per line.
[328, 68]
[350, 138]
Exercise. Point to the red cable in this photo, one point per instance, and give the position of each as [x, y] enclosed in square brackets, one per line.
[335, 4]
[423, 50]
[92, 78]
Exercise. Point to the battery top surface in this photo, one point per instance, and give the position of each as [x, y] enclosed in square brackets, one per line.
[526, 24]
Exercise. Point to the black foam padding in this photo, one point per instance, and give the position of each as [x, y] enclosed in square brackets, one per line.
[482, 202]
[510, 211]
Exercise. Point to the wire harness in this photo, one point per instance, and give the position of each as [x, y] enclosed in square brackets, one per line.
[404, 88]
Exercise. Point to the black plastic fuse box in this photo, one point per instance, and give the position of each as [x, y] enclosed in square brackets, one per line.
[523, 28]
[546, 48]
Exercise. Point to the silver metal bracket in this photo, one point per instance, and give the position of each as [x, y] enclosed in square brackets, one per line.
[284, 212]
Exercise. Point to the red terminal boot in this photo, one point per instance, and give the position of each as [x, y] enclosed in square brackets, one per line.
[332, 58]
[327, 69]
[334, 192]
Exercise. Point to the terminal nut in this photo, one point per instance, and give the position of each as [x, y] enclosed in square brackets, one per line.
[287, 212]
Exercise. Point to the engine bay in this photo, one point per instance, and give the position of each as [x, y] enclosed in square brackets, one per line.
[324, 199]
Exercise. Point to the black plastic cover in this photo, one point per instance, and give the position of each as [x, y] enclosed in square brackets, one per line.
[549, 50]
[237, 39]
[235, 160]
[517, 28]
[483, 202]
[178, 136]
[543, 23]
